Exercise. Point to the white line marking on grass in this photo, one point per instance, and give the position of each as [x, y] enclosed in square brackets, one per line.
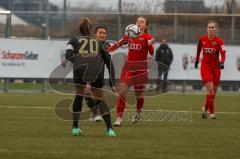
[232, 113]
[24, 107]
[189, 110]
[29, 151]
[130, 110]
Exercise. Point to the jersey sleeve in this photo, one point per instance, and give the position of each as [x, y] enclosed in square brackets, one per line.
[107, 60]
[118, 44]
[222, 51]
[106, 45]
[150, 47]
[71, 49]
[199, 49]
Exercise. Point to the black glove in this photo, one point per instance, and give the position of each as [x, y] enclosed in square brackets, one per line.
[196, 64]
[221, 66]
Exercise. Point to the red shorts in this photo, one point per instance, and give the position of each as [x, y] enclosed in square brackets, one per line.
[210, 74]
[135, 77]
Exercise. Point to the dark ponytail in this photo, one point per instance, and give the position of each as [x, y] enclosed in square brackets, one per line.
[85, 27]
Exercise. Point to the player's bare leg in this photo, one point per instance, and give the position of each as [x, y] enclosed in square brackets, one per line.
[209, 101]
[121, 101]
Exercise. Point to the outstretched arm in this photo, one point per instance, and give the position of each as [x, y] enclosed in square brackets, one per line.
[115, 46]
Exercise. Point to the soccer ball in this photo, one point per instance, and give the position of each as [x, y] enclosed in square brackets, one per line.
[132, 31]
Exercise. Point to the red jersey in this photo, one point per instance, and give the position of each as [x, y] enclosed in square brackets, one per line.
[211, 50]
[138, 48]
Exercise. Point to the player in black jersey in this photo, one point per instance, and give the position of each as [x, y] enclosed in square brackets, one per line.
[100, 35]
[88, 57]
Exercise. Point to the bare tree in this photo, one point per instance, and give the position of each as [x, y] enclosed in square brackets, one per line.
[230, 4]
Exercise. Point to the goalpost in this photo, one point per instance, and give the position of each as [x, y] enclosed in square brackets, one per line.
[5, 20]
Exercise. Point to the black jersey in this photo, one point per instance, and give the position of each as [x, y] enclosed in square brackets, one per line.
[85, 50]
[105, 45]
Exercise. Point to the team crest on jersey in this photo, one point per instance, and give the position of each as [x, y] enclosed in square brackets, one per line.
[214, 43]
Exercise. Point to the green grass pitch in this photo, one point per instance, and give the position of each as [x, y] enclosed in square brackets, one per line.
[27, 133]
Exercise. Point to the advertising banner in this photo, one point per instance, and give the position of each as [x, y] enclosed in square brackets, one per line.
[38, 58]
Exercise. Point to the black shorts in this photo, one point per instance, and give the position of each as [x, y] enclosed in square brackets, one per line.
[96, 81]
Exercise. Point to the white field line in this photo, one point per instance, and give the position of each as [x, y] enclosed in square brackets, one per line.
[129, 110]
[29, 151]
[23, 107]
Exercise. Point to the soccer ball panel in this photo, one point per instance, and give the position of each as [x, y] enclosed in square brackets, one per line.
[132, 31]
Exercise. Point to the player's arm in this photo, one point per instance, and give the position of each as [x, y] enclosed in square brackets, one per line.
[118, 44]
[107, 60]
[151, 50]
[199, 49]
[223, 54]
[69, 55]
[150, 45]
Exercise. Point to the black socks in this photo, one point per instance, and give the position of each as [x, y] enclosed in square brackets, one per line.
[77, 108]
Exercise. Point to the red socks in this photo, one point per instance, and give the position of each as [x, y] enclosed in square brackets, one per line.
[209, 105]
[140, 102]
[120, 106]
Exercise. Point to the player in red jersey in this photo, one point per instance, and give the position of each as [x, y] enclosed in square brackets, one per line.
[211, 46]
[135, 69]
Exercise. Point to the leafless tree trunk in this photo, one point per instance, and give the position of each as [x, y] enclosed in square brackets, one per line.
[230, 5]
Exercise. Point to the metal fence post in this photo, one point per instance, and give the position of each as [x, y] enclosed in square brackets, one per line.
[119, 19]
[184, 86]
[46, 26]
[8, 26]
[6, 85]
[64, 16]
[175, 20]
[185, 34]
[233, 29]
[8, 29]
[44, 88]
[233, 4]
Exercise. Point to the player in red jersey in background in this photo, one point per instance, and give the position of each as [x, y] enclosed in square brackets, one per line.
[211, 46]
[135, 69]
